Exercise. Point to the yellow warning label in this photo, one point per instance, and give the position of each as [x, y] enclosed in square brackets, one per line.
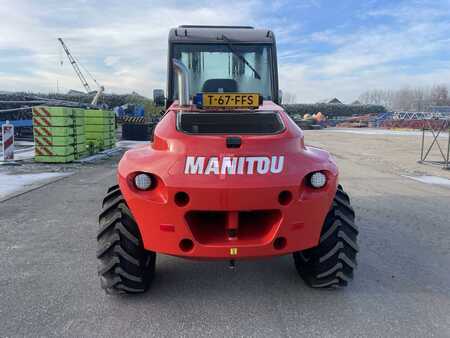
[233, 251]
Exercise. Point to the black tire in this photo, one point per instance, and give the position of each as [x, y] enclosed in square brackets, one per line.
[331, 263]
[125, 266]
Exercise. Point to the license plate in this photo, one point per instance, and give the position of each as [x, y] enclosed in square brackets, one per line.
[229, 100]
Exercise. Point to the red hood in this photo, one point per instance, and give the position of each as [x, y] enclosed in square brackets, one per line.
[167, 155]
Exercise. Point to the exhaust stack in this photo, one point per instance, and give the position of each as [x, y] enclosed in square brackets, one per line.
[183, 82]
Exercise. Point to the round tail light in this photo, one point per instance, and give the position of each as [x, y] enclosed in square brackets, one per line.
[143, 181]
[318, 180]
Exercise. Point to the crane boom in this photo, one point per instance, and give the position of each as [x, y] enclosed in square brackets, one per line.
[75, 67]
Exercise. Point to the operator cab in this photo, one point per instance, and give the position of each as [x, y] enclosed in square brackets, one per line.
[224, 59]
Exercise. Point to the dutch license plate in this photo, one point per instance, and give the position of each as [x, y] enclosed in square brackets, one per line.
[230, 100]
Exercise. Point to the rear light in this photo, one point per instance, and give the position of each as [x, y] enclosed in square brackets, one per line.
[149, 186]
[318, 180]
[143, 181]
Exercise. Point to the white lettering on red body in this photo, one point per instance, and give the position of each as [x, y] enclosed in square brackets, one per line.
[230, 165]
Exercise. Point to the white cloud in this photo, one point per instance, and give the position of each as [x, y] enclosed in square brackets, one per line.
[372, 57]
[348, 87]
[111, 60]
[131, 40]
[124, 44]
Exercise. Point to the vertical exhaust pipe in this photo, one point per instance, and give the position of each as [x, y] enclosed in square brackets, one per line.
[182, 74]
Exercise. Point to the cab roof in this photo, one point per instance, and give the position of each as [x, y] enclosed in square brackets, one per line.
[213, 34]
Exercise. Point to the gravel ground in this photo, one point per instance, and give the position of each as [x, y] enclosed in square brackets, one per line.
[49, 286]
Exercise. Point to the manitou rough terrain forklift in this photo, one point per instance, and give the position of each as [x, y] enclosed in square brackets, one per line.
[228, 175]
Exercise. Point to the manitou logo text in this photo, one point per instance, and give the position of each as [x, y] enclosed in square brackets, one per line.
[228, 165]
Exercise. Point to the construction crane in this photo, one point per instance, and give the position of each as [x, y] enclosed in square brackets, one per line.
[80, 75]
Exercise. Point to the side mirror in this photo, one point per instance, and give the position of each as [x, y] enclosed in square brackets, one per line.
[159, 97]
[280, 96]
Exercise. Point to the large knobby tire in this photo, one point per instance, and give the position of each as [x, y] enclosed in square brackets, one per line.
[125, 266]
[331, 263]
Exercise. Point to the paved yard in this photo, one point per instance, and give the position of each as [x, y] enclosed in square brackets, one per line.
[49, 286]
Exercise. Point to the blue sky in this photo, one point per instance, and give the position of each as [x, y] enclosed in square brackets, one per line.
[326, 48]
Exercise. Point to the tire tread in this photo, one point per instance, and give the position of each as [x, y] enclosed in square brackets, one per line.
[332, 262]
[125, 266]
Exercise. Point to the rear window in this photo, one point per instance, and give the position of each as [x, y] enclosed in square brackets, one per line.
[229, 123]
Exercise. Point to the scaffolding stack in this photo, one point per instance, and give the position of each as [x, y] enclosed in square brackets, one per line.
[100, 130]
[65, 134]
[58, 134]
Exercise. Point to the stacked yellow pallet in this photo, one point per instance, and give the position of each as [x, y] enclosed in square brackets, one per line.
[58, 134]
[100, 129]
